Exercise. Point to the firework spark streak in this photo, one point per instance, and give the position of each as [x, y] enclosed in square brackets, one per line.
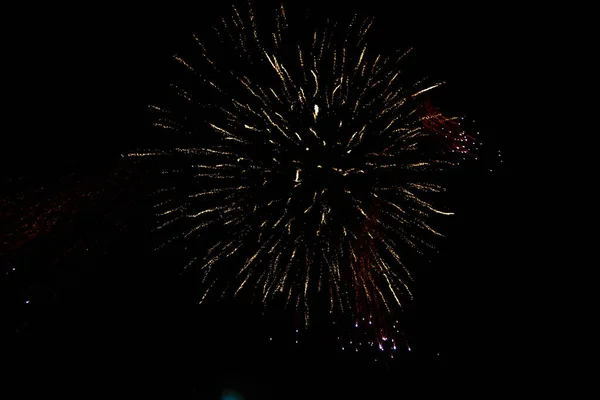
[34, 210]
[306, 161]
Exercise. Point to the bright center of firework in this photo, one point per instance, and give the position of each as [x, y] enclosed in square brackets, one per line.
[326, 169]
[321, 180]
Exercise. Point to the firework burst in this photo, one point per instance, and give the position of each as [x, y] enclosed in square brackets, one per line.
[307, 162]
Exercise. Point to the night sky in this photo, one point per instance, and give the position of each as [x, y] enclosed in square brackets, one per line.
[89, 308]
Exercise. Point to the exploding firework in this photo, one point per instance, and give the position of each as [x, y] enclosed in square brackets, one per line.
[302, 162]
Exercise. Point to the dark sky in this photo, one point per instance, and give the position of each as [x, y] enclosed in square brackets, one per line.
[111, 317]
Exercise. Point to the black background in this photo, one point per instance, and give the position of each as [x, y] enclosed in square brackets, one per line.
[118, 319]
